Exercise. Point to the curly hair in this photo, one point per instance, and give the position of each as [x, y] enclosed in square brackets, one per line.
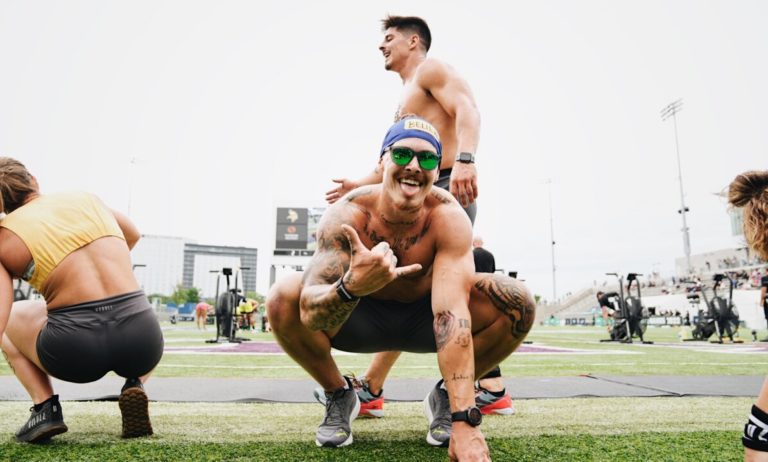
[750, 191]
[15, 184]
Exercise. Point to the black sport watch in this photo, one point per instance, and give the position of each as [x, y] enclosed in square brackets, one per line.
[465, 158]
[472, 416]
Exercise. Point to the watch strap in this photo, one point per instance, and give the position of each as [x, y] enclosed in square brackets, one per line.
[343, 293]
[464, 416]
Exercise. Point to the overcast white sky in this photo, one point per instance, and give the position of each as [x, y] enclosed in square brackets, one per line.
[233, 108]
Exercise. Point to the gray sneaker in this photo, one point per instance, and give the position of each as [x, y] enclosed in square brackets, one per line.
[437, 408]
[370, 405]
[341, 408]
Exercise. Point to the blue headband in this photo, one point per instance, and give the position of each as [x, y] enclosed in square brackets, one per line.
[412, 127]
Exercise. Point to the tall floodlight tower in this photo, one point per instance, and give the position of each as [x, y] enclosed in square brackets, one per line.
[552, 239]
[671, 110]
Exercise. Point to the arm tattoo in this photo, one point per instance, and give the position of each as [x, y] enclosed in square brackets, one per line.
[512, 299]
[444, 327]
[441, 196]
[463, 340]
[324, 308]
[359, 192]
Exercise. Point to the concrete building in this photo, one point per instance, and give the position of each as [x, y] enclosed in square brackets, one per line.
[163, 262]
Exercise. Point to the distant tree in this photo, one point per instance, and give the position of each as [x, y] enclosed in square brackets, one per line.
[193, 295]
[184, 295]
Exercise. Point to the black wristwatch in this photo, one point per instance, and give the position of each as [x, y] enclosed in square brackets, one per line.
[465, 158]
[343, 293]
[472, 416]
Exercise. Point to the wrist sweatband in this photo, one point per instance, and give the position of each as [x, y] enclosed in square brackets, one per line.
[756, 431]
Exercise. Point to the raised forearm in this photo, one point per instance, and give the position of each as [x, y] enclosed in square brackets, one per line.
[467, 128]
[455, 356]
[322, 308]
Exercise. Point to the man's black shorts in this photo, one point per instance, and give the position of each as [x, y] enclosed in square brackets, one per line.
[386, 325]
[444, 181]
[83, 342]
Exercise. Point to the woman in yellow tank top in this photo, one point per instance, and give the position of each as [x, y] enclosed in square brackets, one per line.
[94, 318]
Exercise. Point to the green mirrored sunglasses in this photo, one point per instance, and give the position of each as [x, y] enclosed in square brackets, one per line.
[401, 156]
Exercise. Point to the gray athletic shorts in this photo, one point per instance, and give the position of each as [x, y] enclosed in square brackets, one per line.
[387, 325]
[444, 181]
[81, 343]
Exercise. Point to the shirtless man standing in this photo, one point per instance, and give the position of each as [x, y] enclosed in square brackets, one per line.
[394, 271]
[434, 91]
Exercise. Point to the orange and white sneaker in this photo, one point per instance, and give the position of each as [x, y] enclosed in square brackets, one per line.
[490, 403]
[370, 405]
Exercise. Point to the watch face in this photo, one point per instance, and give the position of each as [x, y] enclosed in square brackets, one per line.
[474, 416]
[466, 157]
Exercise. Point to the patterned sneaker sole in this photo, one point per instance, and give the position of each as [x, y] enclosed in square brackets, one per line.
[502, 406]
[43, 433]
[500, 411]
[373, 409]
[134, 406]
[346, 442]
[371, 413]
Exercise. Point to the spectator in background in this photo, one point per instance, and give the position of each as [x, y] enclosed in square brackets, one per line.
[484, 261]
[201, 315]
[245, 314]
[750, 191]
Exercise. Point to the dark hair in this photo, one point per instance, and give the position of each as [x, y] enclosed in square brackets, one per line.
[750, 190]
[410, 24]
[15, 184]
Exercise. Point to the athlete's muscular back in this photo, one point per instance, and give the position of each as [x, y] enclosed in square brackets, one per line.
[434, 92]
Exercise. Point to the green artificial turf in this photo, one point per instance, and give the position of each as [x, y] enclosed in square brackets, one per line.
[583, 429]
[611, 429]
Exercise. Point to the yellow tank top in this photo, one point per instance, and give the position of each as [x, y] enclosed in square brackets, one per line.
[53, 226]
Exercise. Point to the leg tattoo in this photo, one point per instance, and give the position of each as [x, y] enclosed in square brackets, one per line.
[9, 362]
[511, 298]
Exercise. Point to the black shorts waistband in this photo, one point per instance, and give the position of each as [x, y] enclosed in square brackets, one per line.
[102, 305]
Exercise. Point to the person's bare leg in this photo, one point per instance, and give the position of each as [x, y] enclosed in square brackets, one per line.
[502, 313]
[495, 384]
[379, 368]
[310, 349]
[19, 344]
[751, 455]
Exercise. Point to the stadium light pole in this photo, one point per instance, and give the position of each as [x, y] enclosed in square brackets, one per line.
[671, 110]
[548, 181]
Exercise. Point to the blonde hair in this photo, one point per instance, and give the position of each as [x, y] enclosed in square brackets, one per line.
[15, 184]
[750, 190]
